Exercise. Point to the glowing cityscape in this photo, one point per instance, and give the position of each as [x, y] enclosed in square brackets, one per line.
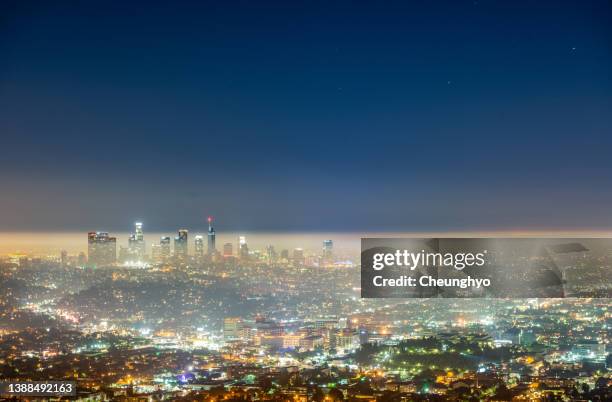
[182, 320]
[186, 189]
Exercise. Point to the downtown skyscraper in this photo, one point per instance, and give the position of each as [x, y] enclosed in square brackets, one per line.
[181, 245]
[161, 252]
[212, 250]
[136, 243]
[101, 249]
[243, 248]
[199, 247]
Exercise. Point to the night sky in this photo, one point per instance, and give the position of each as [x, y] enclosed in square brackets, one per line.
[458, 115]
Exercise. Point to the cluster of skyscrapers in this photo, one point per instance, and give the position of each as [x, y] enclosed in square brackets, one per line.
[102, 249]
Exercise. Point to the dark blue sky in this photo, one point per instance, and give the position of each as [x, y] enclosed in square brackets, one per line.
[422, 115]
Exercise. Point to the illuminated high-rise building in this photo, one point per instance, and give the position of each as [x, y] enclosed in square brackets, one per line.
[164, 245]
[298, 257]
[64, 258]
[101, 249]
[328, 246]
[328, 256]
[243, 249]
[199, 247]
[136, 246]
[139, 237]
[211, 237]
[156, 253]
[127, 254]
[181, 245]
[271, 254]
[228, 250]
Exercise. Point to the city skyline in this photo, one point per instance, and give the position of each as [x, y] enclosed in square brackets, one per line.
[262, 324]
[52, 243]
